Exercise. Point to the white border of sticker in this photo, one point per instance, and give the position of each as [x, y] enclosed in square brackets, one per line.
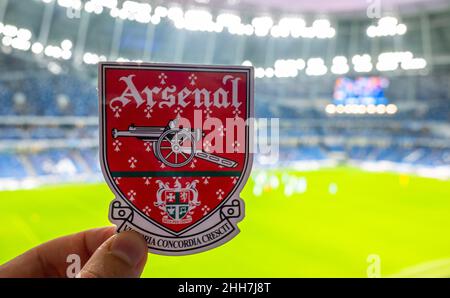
[125, 216]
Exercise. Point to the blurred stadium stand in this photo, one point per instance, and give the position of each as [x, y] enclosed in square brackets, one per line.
[48, 97]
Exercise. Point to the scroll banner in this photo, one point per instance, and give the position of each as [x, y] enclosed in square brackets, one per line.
[181, 243]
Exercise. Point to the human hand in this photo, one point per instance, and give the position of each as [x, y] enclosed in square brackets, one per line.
[102, 254]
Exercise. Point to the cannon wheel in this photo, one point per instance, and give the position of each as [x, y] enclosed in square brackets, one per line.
[178, 144]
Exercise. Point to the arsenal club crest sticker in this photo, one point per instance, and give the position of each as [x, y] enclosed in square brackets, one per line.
[175, 149]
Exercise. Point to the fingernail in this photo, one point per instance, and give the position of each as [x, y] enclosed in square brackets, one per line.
[130, 247]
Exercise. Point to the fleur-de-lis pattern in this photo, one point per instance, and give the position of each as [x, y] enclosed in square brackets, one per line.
[116, 110]
[176, 178]
[207, 113]
[236, 113]
[117, 145]
[132, 162]
[207, 146]
[194, 161]
[236, 146]
[193, 78]
[148, 112]
[220, 194]
[148, 146]
[147, 210]
[163, 78]
[222, 130]
[205, 209]
[131, 195]
[178, 111]
[147, 180]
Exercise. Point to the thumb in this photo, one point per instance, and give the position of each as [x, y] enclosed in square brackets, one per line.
[122, 255]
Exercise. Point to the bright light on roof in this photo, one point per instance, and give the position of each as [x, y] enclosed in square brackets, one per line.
[386, 26]
[203, 20]
[291, 22]
[330, 109]
[66, 44]
[340, 109]
[269, 72]
[155, 19]
[361, 109]
[401, 29]
[362, 63]
[381, 109]
[228, 19]
[37, 48]
[262, 25]
[131, 10]
[340, 65]
[10, 30]
[300, 64]
[414, 63]
[259, 72]
[92, 58]
[175, 13]
[286, 68]
[75, 4]
[391, 109]
[322, 29]
[389, 61]
[94, 7]
[291, 25]
[316, 67]
[161, 11]
[24, 34]
[106, 3]
[198, 20]
[279, 31]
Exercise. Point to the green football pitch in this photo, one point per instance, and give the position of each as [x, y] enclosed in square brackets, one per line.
[403, 220]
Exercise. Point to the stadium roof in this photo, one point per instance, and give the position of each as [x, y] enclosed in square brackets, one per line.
[329, 6]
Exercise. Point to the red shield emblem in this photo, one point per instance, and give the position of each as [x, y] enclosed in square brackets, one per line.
[176, 151]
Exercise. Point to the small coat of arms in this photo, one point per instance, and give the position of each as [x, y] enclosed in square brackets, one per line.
[177, 203]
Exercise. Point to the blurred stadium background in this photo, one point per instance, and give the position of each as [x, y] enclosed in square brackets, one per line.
[362, 90]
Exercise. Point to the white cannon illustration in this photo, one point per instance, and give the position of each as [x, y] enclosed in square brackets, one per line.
[171, 141]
